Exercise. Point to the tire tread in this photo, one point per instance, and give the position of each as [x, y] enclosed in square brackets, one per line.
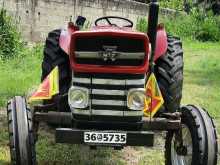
[55, 56]
[14, 148]
[169, 74]
[200, 125]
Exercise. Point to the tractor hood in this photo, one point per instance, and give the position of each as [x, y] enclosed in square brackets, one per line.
[109, 50]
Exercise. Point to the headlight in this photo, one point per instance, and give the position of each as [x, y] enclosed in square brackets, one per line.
[78, 97]
[136, 99]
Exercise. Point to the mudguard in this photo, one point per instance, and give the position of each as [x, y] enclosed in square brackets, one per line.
[161, 42]
[65, 37]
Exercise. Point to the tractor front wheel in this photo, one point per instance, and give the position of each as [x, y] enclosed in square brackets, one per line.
[21, 139]
[195, 143]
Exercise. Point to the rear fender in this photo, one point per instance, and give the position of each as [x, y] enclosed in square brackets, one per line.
[65, 37]
[161, 42]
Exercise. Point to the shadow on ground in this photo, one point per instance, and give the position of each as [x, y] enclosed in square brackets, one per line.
[50, 153]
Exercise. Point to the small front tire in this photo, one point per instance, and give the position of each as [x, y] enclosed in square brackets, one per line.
[199, 139]
[21, 139]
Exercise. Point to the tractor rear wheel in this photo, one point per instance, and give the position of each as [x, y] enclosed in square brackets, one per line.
[199, 139]
[21, 138]
[55, 56]
[169, 74]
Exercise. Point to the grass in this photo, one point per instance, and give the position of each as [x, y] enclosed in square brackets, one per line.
[18, 75]
[201, 78]
[201, 87]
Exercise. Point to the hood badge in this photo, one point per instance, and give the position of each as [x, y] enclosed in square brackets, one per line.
[109, 53]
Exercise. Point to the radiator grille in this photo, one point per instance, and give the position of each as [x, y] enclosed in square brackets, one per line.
[96, 43]
[126, 51]
[108, 93]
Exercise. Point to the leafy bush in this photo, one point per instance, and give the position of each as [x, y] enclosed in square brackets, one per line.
[196, 25]
[141, 24]
[182, 26]
[18, 75]
[9, 36]
[209, 29]
[199, 26]
[173, 4]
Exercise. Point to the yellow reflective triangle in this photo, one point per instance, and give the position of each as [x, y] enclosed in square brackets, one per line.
[154, 99]
[48, 88]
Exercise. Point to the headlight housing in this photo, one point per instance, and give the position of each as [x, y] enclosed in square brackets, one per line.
[78, 97]
[136, 99]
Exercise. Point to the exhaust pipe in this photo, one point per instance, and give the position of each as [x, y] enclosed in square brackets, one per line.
[152, 29]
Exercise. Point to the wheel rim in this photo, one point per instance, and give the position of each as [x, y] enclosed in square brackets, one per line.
[187, 142]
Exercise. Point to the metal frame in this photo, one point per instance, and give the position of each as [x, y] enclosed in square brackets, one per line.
[141, 135]
[75, 136]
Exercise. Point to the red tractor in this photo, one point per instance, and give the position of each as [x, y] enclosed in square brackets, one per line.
[102, 93]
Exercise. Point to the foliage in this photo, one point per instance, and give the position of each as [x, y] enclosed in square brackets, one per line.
[209, 29]
[205, 5]
[196, 25]
[187, 5]
[20, 73]
[141, 24]
[173, 4]
[9, 36]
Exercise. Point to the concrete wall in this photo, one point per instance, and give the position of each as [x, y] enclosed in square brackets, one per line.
[38, 17]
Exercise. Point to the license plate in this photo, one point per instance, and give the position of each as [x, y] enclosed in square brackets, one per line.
[105, 138]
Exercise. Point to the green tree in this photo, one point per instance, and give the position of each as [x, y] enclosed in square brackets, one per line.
[204, 5]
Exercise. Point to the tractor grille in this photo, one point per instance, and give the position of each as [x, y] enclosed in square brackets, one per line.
[122, 51]
[108, 93]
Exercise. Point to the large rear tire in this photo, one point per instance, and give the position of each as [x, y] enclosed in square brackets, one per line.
[21, 139]
[199, 139]
[55, 56]
[169, 74]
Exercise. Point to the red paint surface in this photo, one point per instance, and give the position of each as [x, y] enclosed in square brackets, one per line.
[68, 36]
[109, 69]
[161, 43]
[65, 37]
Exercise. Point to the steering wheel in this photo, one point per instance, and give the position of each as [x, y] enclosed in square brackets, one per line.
[107, 19]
